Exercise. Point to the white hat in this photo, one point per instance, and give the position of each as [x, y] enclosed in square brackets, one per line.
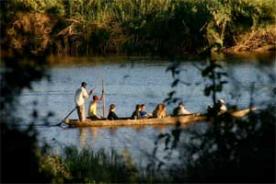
[221, 101]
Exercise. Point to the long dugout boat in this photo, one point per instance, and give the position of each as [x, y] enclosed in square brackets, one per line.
[169, 120]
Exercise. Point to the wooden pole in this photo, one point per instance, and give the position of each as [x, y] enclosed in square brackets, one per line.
[66, 116]
[103, 98]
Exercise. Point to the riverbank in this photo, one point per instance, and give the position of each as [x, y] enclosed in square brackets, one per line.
[263, 57]
[159, 28]
[257, 41]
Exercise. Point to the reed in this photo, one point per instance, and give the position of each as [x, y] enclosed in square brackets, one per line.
[142, 26]
[87, 166]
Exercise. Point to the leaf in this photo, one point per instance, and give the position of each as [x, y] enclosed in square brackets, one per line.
[175, 83]
[224, 74]
[177, 72]
[170, 94]
[223, 82]
[217, 66]
[219, 88]
[197, 83]
[167, 141]
[185, 83]
[160, 136]
[169, 68]
[206, 71]
[218, 75]
[166, 100]
[207, 90]
[175, 100]
[160, 164]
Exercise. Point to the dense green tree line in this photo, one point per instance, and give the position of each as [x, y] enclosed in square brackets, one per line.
[78, 27]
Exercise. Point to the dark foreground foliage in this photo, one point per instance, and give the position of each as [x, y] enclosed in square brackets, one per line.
[225, 150]
[88, 166]
[19, 147]
[20, 157]
[231, 150]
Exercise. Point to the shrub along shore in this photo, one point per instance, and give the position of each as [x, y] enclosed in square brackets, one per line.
[137, 27]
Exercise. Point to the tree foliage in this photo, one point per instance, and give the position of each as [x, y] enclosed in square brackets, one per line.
[136, 26]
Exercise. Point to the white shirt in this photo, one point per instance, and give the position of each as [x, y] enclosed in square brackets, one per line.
[223, 108]
[80, 95]
[183, 111]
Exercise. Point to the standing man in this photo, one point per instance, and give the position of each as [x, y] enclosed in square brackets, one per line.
[80, 96]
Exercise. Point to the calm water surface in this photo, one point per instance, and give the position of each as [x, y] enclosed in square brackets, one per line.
[128, 83]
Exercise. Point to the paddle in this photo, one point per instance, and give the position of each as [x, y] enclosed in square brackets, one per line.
[66, 116]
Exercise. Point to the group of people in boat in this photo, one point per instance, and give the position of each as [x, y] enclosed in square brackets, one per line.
[159, 112]
[140, 112]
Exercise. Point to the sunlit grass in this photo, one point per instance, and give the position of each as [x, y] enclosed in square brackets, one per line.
[87, 166]
[78, 27]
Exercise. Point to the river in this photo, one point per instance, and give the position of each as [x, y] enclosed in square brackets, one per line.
[129, 82]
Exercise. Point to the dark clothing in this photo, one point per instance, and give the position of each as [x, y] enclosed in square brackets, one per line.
[136, 115]
[175, 111]
[112, 116]
[143, 114]
[212, 111]
[94, 118]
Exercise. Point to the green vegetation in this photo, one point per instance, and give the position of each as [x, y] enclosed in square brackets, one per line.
[87, 166]
[97, 27]
[19, 147]
[228, 150]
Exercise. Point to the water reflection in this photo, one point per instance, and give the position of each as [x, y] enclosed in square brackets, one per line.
[89, 136]
[86, 134]
[112, 131]
[83, 135]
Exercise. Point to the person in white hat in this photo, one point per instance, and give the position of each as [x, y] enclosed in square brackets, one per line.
[180, 110]
[222, 106]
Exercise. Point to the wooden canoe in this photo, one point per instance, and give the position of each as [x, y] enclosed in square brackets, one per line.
[170, 120]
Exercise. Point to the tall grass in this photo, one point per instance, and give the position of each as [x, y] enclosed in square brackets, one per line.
[144, 26]
[87, 166]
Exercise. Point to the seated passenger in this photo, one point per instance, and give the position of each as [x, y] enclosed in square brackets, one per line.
[222, 106]
[160, 111]
[136, 114]
[92, 110]
[143, 112]
[111, 114]
[219, 108]
[180, 110]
